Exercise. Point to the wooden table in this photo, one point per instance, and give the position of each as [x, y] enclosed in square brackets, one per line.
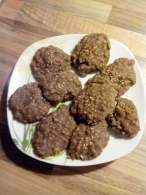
[23, 22]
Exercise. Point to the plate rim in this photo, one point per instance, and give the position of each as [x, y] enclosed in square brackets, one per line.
[74, 165]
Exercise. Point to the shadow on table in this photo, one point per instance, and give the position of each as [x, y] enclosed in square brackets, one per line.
[27, 162]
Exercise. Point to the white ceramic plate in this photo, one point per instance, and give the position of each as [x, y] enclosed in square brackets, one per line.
[116, 148]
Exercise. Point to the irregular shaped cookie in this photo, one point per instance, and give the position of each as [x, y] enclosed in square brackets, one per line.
[91, 54]
[28, 104]
[87, 142]
[122, 75]
[95, 101]
[49, 59]
[53, 132]
[124, 121]
[60, 87]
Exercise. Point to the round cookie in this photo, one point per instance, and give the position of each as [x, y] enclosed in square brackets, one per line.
[49, 59]
[124, 120]
[60, 87]
[94, 102]
[87, 142]
[91, 54]
[53, 133]
[122, 75]
[28, 104]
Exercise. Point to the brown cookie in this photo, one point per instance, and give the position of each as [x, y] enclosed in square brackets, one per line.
[94, 102]
[122, 75]
[53, 132]
[91, 54]
[124, 121]
[87, 142]
[28, 104]
[60, 87]
[49, 59]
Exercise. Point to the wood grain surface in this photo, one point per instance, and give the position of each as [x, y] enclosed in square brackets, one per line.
[23, 22]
